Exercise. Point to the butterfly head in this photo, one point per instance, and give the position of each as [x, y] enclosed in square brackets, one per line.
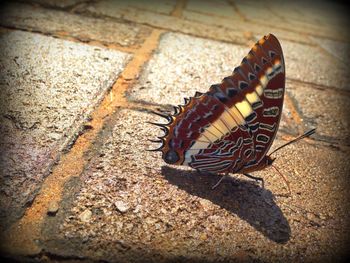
[269, 160]
[266, 162]
[171, 157]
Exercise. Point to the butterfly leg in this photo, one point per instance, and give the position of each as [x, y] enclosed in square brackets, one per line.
[257, 179]
[217, 184]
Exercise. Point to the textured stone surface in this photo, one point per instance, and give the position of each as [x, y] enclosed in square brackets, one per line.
[249, 29]
[48, 88]
[174, 214]
[112, 8]
[64, 4]
[331, 119]
[27, 17]
[340, 50]
[291, 16]
[162, 7]
[325, 14]
[214, 8]
[310, 64]
[184, 65]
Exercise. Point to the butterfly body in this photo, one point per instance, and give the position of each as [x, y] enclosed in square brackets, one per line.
[230, 128]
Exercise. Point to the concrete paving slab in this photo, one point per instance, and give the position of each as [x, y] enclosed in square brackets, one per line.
[236, 23]
[326, 14]
[48, 88]
[216, 8]
[340, 50]
[183, 65]
[258, 14]
[276, 15]
[63, 4]
[49, 21]
[112, 9]
[174, 215]
[117, 7]
[331, 119]
[310, 64]
[162, 7]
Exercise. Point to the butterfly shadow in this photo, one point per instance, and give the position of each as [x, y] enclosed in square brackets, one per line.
[244, 198]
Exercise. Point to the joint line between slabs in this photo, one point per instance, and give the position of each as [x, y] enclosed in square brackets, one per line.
[318, 86]
[76, 39]
[20, 237]
[179, 7]
[295, 115]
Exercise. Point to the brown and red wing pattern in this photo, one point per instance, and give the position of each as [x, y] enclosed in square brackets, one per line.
[232, 126]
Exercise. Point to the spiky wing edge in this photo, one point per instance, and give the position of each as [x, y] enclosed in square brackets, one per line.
[226, 93]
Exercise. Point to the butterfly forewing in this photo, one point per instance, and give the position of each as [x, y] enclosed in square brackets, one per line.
[272, 81]
[232, 126]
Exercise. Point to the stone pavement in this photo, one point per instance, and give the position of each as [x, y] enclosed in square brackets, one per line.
[78, 79]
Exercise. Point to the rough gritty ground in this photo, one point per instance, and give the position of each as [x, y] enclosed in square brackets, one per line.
[78, 81]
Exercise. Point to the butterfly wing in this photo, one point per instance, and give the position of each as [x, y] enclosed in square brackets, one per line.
[273, 96]
[234, 123]
[264, 69]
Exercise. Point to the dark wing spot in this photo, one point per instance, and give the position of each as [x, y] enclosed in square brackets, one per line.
[270, 75]
[215, 107]
[216, 92]
[243, 85]
[251, 76]
[215, 87]
[257, 105]
[264, 60]
[192, 143]
[181, 144]
[271, 54]
[278, 68]
[257, 67]
[247, 152]
[254, 127]
[262, 138]
[231, 92]
[220, 96]
[251, 117]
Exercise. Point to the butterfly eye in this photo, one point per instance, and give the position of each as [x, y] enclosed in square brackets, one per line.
[171, 157]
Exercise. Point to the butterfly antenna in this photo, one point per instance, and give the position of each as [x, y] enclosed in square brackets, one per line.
[306, 134]
[284, 179]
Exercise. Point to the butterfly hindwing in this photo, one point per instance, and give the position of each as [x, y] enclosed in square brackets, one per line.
[233, 124]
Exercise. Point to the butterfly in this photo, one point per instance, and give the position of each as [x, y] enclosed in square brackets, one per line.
[230, 128]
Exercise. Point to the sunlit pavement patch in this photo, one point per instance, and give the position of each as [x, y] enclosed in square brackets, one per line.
[172, 212]
[48, 88]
